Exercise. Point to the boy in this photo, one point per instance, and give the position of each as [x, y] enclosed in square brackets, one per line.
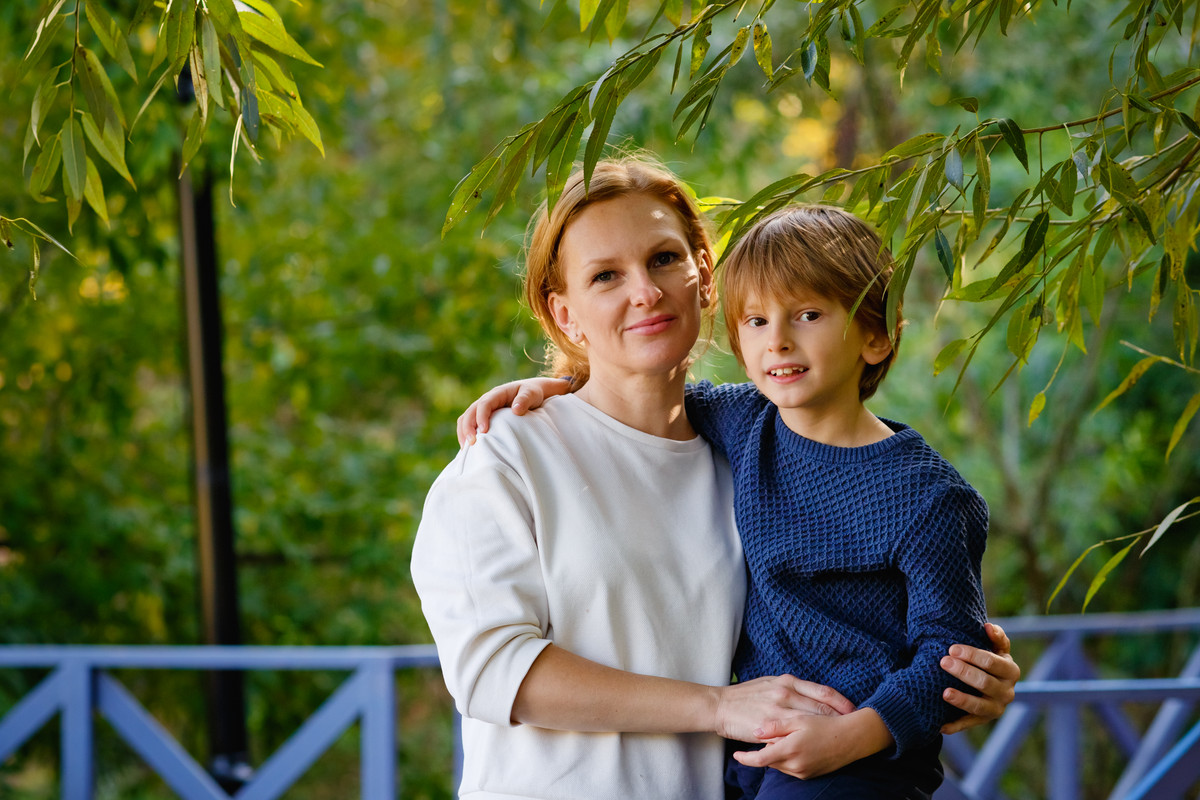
[863, 544]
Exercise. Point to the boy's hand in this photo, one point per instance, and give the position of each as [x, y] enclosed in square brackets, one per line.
[766, 708]
[522, 395]
[993, 673]
[819, 745]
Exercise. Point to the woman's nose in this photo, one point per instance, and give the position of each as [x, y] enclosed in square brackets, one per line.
[645, 291]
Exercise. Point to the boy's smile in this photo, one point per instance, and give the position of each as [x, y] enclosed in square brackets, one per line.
[805, 359]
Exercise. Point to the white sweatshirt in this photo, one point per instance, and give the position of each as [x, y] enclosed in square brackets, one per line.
[569, 527]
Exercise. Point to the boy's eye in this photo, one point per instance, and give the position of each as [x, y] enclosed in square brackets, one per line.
[755, 322]
[810, 316]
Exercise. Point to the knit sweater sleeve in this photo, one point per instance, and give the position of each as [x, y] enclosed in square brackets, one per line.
[940, 556]
[723, 414]
[475, 566]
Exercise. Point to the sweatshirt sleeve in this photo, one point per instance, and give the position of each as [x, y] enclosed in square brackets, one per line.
[941, 559]
[475, 566]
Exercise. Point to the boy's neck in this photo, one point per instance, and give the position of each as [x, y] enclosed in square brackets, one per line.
[851, 426]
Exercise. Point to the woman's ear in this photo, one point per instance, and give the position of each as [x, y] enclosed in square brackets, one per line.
[876, 347]
[561, 311]
[707, 286]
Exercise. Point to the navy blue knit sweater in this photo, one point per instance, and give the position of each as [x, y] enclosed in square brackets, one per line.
[864, 561]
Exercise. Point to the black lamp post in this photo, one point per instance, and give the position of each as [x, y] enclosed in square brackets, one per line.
[228, 756]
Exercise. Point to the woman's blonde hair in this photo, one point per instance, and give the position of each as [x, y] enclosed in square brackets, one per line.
[815, 249]
[612, 178]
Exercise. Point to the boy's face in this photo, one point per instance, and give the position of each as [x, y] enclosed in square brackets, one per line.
[802, 356]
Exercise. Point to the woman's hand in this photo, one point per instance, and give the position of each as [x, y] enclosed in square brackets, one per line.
[522, 395]
[995, 674]
[818, 745]
[766, 708]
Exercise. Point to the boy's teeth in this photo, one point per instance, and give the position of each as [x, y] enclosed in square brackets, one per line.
[779, 373]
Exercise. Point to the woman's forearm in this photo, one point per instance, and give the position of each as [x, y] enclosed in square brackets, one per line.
[563, 691]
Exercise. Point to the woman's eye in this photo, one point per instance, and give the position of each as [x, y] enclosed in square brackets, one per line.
[665, 258]
[603, 277]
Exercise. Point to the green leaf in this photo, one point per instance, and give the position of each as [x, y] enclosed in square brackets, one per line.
[739, 45]
[587, 10]
[42, 102]
[93, 192]
[1102, 575]
[111, 37]
[470, 189]
[110, 147]
[47, 29]
[1035, 235]
[700, 47]
[266, 9]
[602, 122]
[176, 37]
[762, 48]
[673, 11]
[615, 19]
[1117, 180]
[808, 60]
[562, 159]
[1062, 191]
[273, 35]
[1135, 374]
[193, 138]
[74, 159]
[1036, 407]
[6, 234]
[917, 145]
[948, 354]
[249, 98]
[210, 49]
[1190, 124]
[45, 168]
[968, 103]
[97, 89]
[944, 254]
[954, 168]
[1011, 132]
[1170, 519]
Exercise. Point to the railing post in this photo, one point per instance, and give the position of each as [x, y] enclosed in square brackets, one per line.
[1062, 730]
[78, 700]
[379, 732]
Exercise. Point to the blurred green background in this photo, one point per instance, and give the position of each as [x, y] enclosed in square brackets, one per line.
[355, 334]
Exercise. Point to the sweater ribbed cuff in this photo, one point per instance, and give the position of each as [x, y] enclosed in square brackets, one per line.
[900, 717]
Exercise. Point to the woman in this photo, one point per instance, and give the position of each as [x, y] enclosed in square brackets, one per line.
[580, 570]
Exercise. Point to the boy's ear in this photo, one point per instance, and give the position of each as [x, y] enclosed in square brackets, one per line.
[876, 348]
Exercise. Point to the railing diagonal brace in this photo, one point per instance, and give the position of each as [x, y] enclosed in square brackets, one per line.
[156, 746]
[30, 713]
[312, 739]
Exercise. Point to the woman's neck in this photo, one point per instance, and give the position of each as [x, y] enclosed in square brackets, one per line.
[652, 404]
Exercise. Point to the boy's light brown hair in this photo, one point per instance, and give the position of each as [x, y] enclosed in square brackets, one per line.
[813, 249]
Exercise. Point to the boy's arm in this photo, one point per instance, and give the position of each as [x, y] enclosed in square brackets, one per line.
[941, 559]
[523, 395]
[819, 745]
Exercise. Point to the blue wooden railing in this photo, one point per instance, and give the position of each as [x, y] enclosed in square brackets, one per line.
[1163, 761]
[80, 684]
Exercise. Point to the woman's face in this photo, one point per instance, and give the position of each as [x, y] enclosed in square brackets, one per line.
[633, 286]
